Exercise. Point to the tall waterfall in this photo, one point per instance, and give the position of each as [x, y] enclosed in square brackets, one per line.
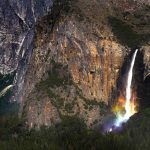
[129, 104]
[128, 87]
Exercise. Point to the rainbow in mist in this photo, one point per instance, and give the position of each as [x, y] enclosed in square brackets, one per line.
[126, 105]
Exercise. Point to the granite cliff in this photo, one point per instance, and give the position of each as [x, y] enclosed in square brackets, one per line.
[68, 55]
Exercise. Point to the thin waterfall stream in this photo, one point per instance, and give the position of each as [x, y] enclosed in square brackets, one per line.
[126, 106]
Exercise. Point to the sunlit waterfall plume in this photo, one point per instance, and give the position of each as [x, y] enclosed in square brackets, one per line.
[126, 105]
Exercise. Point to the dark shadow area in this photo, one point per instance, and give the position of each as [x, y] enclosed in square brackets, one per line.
[70, 134]
[125, 33]
[7, 107]
[145, 98]
[121, 81]
[138, 75]
[122, 78]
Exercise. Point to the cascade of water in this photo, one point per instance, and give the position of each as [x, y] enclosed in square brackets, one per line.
[129, 106]
[2, 93]
[128, 87]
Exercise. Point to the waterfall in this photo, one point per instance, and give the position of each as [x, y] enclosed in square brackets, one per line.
[3, 92]
[129, 105]
[128, 87]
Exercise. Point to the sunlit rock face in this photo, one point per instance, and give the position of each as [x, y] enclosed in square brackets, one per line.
[17, 20]
[146, 50]
[11, 28]
[77, 40]
[17, 30]
[29, 11]
[90, 54]
[92, 59]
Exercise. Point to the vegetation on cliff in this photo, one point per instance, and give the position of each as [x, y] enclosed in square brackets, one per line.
[131, 28]
[126, 34]
[72, 134]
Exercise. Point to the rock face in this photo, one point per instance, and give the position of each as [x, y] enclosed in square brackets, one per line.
[147, 60]
[17, 20]
[68, 61]
[10, 38]
[17, 29]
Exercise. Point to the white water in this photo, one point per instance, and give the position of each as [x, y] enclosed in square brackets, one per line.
[128, 88]
[129, 110]
[2, 93]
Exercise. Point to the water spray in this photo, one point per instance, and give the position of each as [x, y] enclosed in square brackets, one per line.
[128, 104]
